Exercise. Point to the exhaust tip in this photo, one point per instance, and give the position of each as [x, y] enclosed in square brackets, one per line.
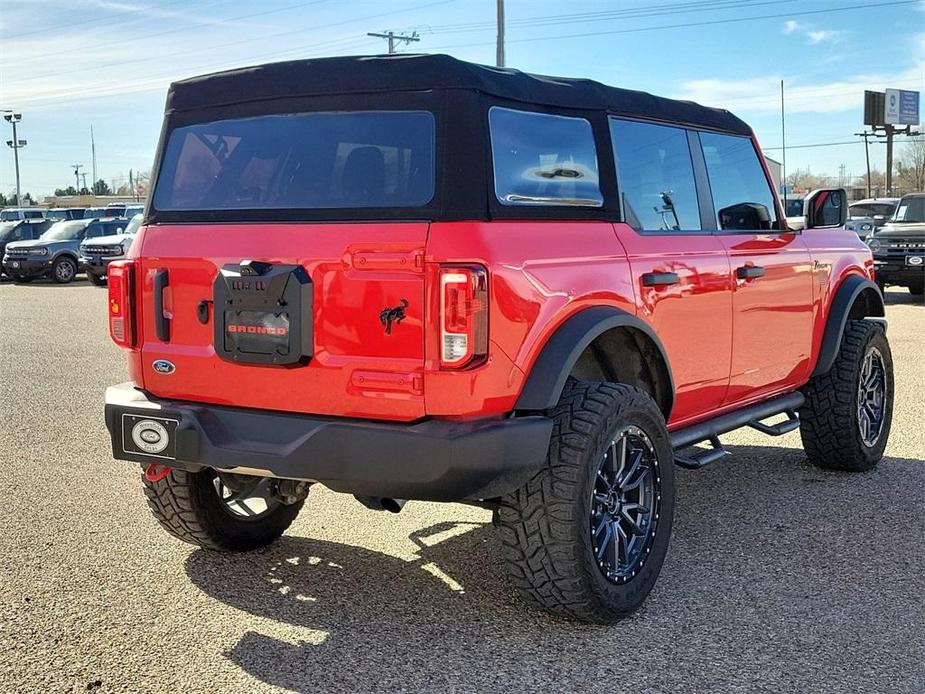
[393, 505]
[382, 503]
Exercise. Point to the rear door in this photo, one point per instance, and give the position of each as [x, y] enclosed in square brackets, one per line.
[265, 310]
[680, 269]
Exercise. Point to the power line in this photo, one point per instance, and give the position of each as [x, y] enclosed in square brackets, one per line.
[69, 25]
[392, 37]
[159, 58]
[151, 35]
[713, 22]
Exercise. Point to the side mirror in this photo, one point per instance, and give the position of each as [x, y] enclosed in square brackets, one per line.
[826, 208]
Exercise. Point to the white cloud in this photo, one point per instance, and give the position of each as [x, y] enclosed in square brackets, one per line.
[824, 36]
[761, 95]
[813, 36]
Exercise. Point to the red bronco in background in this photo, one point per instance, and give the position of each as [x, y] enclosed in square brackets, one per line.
[417, 278]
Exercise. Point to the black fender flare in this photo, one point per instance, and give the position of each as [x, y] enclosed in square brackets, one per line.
[846, 296]
[561, 352]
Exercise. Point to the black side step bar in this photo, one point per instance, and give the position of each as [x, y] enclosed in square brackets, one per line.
[750, 416]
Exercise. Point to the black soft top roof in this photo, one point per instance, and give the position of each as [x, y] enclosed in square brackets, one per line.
[395, 73]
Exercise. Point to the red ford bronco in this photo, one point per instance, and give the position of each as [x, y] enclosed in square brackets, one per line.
[414, 278]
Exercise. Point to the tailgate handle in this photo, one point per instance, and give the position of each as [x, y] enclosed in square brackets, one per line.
[161, 322]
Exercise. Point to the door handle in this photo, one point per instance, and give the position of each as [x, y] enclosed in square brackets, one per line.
[659, 279]
[749, 272]
[161, 322]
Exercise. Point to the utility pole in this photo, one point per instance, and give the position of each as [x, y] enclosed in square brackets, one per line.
[131, 184]
[84, 177]
[93, 153]
[783, 142]
[16, 144]
[499, 49]
[393, 37]
[866, 135]
[77, 168]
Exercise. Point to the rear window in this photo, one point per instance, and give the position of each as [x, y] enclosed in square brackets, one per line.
[542, 159]
[372, 159]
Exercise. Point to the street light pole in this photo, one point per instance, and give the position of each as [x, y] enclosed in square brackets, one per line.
[16, 144]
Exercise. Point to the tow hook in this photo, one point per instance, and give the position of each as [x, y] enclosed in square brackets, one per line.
[155, 472]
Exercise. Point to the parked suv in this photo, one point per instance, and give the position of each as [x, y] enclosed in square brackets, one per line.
[97, 253]
[23, 230]
[54, 254]
[865, 217]
[899, 247]
[412, 277]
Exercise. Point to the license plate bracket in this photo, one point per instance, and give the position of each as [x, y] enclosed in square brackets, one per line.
[152, 437]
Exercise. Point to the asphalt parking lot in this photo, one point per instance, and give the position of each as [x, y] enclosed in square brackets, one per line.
[780, 577]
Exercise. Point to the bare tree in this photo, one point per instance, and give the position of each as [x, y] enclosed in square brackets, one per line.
[910, 166]
[804, 181]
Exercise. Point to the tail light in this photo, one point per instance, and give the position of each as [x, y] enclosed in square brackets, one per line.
[120, 277]
[463, 316]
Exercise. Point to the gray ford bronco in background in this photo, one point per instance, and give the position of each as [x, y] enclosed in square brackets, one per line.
[55, 253]
[96, 253]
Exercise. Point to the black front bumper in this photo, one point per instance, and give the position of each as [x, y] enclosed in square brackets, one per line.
[26, 267]
[896, 270]
[432, 460]
[97, 264]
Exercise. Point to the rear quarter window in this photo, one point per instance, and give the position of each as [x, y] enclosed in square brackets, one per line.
[542, 159]
[300, 161]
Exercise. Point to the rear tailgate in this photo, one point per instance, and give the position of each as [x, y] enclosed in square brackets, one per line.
[364, 277]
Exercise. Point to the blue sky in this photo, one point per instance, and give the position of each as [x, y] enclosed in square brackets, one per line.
[67, 64]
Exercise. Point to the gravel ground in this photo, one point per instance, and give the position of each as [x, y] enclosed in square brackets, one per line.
[780, 577]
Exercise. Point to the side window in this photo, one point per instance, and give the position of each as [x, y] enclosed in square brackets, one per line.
[543, 159]
[742, 196]
[655, 176]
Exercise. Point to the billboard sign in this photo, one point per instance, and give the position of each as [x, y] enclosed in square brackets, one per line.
[901, 107]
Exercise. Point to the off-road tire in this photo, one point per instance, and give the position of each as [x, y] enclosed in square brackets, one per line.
[829, 424]
[96, 280]
[544, 526]
[59, 263]
[188, 507]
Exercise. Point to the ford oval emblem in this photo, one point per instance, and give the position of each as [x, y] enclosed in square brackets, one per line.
[162, 366]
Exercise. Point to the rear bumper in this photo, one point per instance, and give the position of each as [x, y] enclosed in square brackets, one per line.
[433, 460]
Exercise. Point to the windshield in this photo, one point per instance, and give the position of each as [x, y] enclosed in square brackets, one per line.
[6, 230]
[300, 161]
[794, 207]
[96, 213]
[911, 210]
[871, 209]
[64, 231]
[134, 224]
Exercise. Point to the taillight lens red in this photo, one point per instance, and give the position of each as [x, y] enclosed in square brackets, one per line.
[120, 278]
[463, 315]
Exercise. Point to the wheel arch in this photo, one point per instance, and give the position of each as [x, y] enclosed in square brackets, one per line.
[594, 344]
[856, 298]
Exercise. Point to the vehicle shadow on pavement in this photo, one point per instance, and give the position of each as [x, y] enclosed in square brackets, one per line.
[779, 576]
[899, 298]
